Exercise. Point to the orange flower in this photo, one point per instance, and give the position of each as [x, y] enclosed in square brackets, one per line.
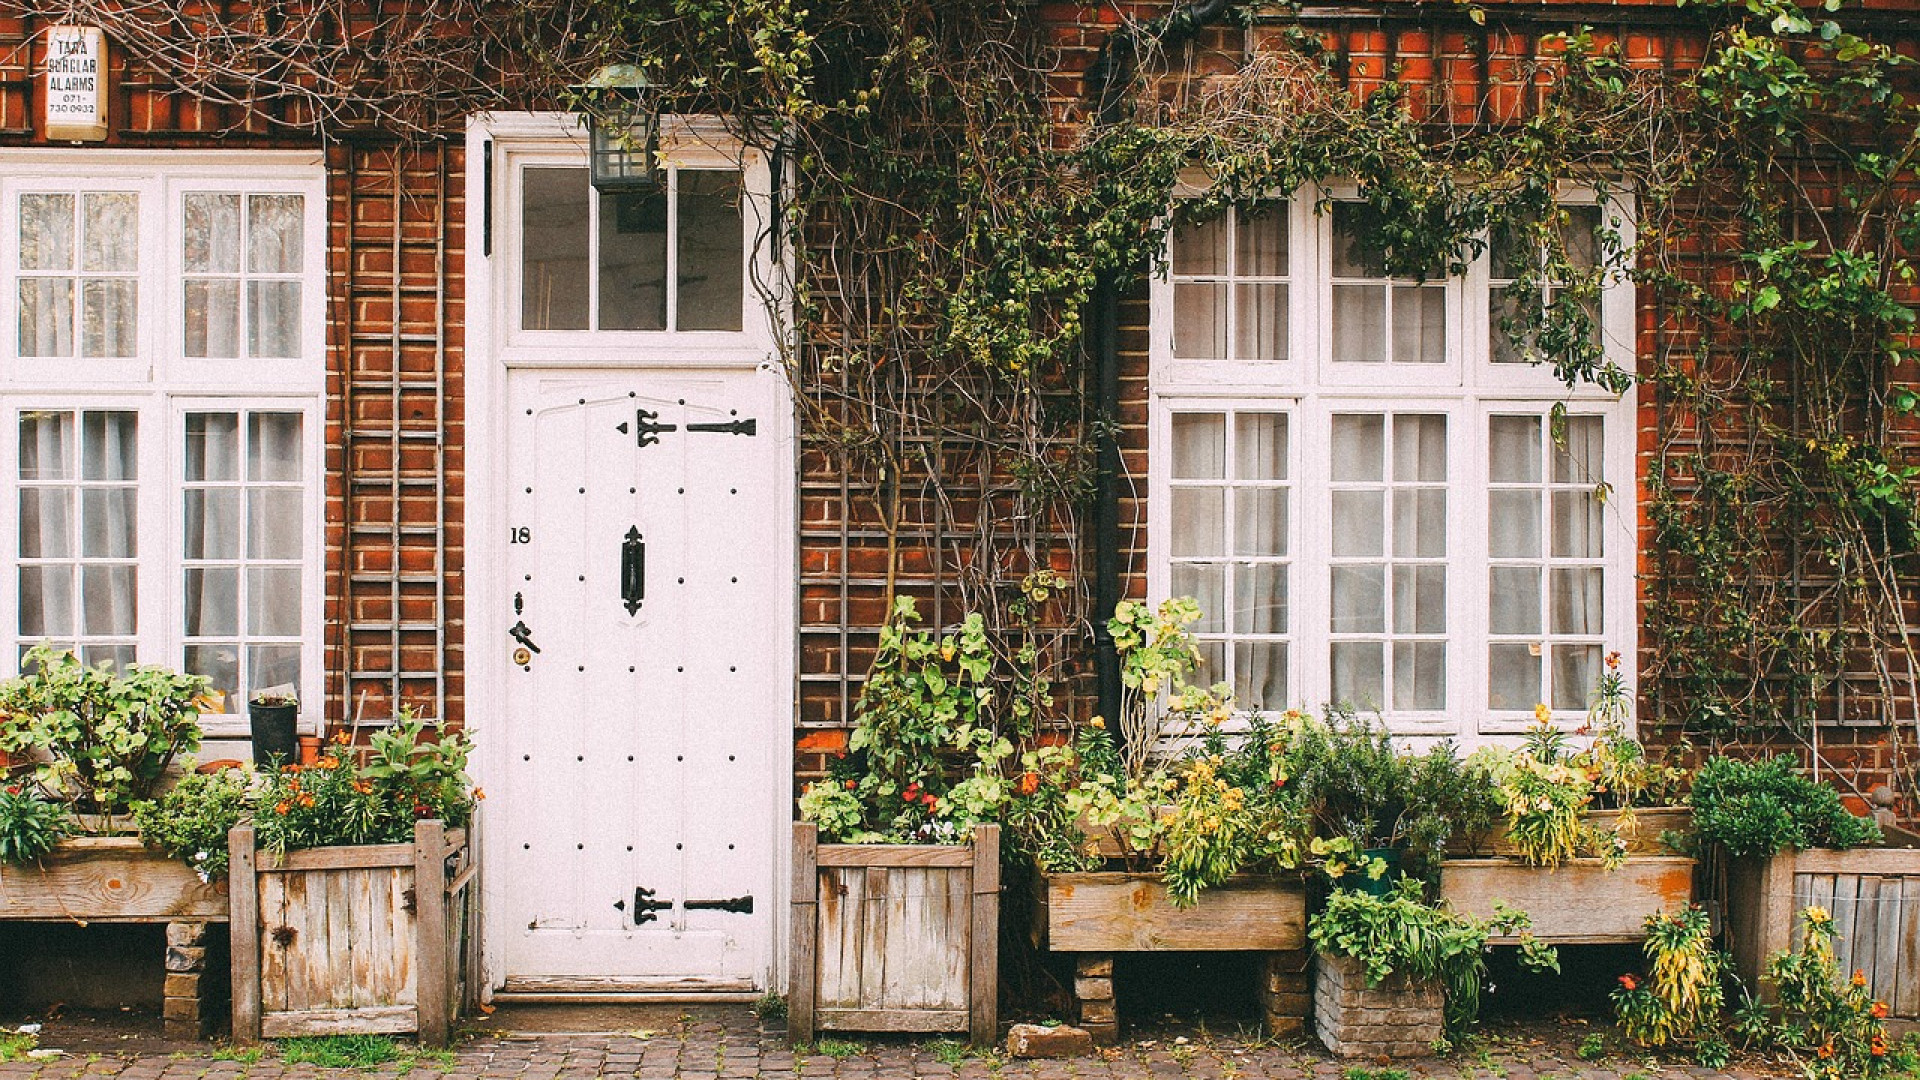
[282, 807]
[1825, 1051]
[329, 762]
[342, 737]
[1859, 978]
[1029, 783]
[306, 800]
[1629, 983]
[1880, 1010]
[363, 787]
[479, 794]
[1879, 1047]
[290, 768]
[1613, 659]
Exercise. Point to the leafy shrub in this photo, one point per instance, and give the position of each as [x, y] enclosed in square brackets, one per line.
[30, 824]
[100, 739]
[1766, 807]
[191, 821]
[1401, 933]
[1831, 1024]
[341, 800]
[1682, 996]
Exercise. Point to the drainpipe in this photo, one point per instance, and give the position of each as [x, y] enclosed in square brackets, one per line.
[1107, 80]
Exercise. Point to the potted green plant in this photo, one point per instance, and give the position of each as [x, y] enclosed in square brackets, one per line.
[1394, 974]
[273, 718]
[385, 829]
[910, 813]
[1788, 842]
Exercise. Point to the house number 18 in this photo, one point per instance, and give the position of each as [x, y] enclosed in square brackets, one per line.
[519, 535]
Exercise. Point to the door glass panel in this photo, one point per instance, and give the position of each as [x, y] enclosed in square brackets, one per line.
[712, 258]
[553, 249]
[632, 261]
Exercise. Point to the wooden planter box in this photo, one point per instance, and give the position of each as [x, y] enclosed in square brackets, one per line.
[1399, 1018]
[894, 937]
[115, 879]
[1579, 902]
[1874, 896]
[350, 940]
[1649, 823]
[1099, 914]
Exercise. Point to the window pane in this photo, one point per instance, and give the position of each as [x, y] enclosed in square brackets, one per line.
[1358, 673]
[1359, 523]
[212, 314]
[633, 260]
[1513, 676]
[273, 601]
[1513, 449]
[1260, 446]
[1199, 446]
[273, 319]
[1510, 250]
[46, 316]
[46, 601]
[109, 522]
[111, 448]
[212, 601]
[1261, 528]
[1419, 324]
[120, 656]
[211, 232]
[112, 238]
[1260, 336]
[1503, 313]
[1213, 663]
[1199, 525]
[1260, 675]
[1260, 240]
[221, 665]
[273, 523]
[1359, 445]
[1419, 599]
[1577, 520]
[553, 238]
[1359, 324]
[108, 595]
[46, 516]
[1420, 448]
[1419, 675]
[1201, 249]
[1420, 523]
[1260, 598]
[1200, 321]
[46, 232]
[1207, 584]
[213, 446]
[1576, 668]
[1513, 524]
[1513, 600]
[273, 446]
[1580, 233]
[46, 451]
[1350, 257]
[1359, 600]
[213, 524]
[712, 262]
[1582, 460]
[1578, 601]
[108, 316]
[272, 666]
[274, 233]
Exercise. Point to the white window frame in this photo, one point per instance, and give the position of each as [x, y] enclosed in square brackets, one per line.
[1469, 390]
[161, 384]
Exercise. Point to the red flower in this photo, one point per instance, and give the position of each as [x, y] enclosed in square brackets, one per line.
[1629, 983]
[852, 784]
[1029, 783]
[13, 789]
[929, 799]
[421, 810]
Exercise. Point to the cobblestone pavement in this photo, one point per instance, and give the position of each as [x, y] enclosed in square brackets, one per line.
[726, 1043]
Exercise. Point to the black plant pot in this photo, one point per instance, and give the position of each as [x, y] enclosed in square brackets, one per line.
[275, 733]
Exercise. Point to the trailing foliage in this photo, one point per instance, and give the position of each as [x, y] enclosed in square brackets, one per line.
[1766, 807]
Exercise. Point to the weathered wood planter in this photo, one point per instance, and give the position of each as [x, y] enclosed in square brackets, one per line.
[1580, 902]
[1873, 895]
[1649, 824]
[1096, 915]
[114, 879]
[350, 940]
[891, 937]
[1401, 1017]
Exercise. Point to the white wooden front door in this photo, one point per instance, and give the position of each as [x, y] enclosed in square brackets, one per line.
[643, 571]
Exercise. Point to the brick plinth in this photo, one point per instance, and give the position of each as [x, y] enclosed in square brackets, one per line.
[1398, 1018]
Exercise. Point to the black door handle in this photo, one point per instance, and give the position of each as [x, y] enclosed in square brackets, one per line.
[633, 570]
[519, 632]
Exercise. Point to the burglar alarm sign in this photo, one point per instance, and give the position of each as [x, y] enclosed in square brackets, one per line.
[76, 90]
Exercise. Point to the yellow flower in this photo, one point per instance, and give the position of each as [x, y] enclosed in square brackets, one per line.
[1541, 713]
[1099, 722]
[1818, 914]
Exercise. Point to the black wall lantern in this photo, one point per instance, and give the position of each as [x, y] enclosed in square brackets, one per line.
[623, 129]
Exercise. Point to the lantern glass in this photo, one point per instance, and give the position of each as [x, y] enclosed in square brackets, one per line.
[622, 150]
